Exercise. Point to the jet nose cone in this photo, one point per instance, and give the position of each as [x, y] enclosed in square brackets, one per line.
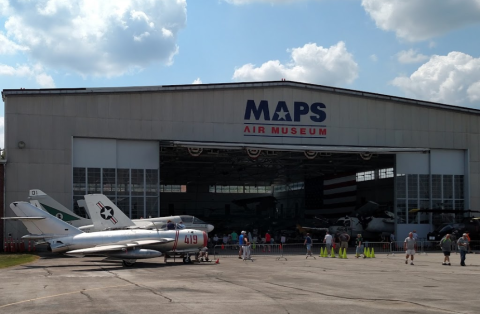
[209, 228]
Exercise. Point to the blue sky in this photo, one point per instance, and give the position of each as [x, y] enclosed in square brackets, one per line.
[422, 49]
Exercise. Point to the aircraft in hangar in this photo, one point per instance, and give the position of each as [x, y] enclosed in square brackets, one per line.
[125, 245]
[366, 220]
[446, 222]
[47, 203]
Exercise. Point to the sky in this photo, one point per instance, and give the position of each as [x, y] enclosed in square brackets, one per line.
[421, 49]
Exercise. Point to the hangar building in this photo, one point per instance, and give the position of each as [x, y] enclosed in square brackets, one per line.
[242, 152]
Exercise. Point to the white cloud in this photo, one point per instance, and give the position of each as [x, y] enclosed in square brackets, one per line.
[310, 63]
[417, 20]
[374, 58]
[197, 81]
[24, 71]
[453, 79]
[9, 47]
[104, 38]
[410, 56]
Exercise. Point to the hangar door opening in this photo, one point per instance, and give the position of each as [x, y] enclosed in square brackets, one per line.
[275, 187]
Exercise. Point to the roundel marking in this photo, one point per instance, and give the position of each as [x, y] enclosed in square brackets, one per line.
[59, 216]
[106, 212]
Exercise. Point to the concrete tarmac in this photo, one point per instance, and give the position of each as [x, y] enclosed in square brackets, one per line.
[384, 284]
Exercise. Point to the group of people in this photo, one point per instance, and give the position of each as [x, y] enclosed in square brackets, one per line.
[410, 246]
[463, 247]
[173, 226]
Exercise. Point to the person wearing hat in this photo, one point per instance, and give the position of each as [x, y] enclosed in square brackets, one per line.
[462, 247]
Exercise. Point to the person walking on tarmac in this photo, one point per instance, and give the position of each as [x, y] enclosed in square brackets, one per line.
[446, 245]
[328, 240]
[463, 247]
[246, 246]
[240, 243]
[410, 244]
[308, 243]
[344, 239]
[359, 246]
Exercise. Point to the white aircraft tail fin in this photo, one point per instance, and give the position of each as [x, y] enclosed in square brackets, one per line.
[40, 223]
[105, 214]
[41, 200]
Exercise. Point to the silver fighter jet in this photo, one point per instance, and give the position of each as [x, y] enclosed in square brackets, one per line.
[126, 245]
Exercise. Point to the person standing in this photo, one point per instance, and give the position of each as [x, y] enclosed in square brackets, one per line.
[446, 245]
[468, 239]
[344, 239]
[240, 244]
[409, 245]
[463, 247]
[359, 246]
[415, 235]
[328, 240]
[246, 246]
[308, 243]
[234, 236]
[392, 237]
[268, 240]
[268, 237]
[215, 240]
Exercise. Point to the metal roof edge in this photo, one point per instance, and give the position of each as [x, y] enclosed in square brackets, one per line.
[262, 84]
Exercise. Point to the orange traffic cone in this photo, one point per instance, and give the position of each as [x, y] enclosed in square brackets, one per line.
[218, 261]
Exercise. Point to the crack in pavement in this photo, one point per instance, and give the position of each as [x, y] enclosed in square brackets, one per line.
[88, 296]
[49, 273]
[137, 285]
[366, 299]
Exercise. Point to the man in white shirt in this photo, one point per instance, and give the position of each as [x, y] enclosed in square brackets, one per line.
[328, 240]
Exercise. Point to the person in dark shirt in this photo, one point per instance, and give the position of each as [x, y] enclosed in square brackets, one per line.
[359, 246]
[170, 225]
[308, 244]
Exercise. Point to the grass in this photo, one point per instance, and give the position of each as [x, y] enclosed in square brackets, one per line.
[8, 260]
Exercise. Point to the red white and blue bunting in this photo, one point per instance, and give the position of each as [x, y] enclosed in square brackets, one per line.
[195, 151]
[310, 155]
[253, 153]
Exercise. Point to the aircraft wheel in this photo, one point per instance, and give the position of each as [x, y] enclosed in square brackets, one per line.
[128, 263]
[187, 260]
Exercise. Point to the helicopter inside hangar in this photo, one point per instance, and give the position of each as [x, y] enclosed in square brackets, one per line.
[271, 188]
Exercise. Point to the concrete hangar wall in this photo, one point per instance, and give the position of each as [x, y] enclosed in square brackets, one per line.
[51, 132]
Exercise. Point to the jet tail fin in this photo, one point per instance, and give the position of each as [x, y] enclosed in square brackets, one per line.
[105, 214]
[43, 201]
[40, 223]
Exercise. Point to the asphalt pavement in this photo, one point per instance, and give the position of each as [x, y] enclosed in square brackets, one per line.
[384, 284]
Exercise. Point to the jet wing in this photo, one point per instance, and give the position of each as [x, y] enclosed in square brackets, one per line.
[315, 228]
[23, 218]
[118, 247]
[42, 236]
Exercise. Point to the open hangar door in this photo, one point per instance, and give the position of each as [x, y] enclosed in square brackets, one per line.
[272, 187]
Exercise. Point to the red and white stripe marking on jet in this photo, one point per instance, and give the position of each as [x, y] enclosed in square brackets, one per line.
[177, 232]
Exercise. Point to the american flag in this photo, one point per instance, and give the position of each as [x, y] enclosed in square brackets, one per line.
[331, 194]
